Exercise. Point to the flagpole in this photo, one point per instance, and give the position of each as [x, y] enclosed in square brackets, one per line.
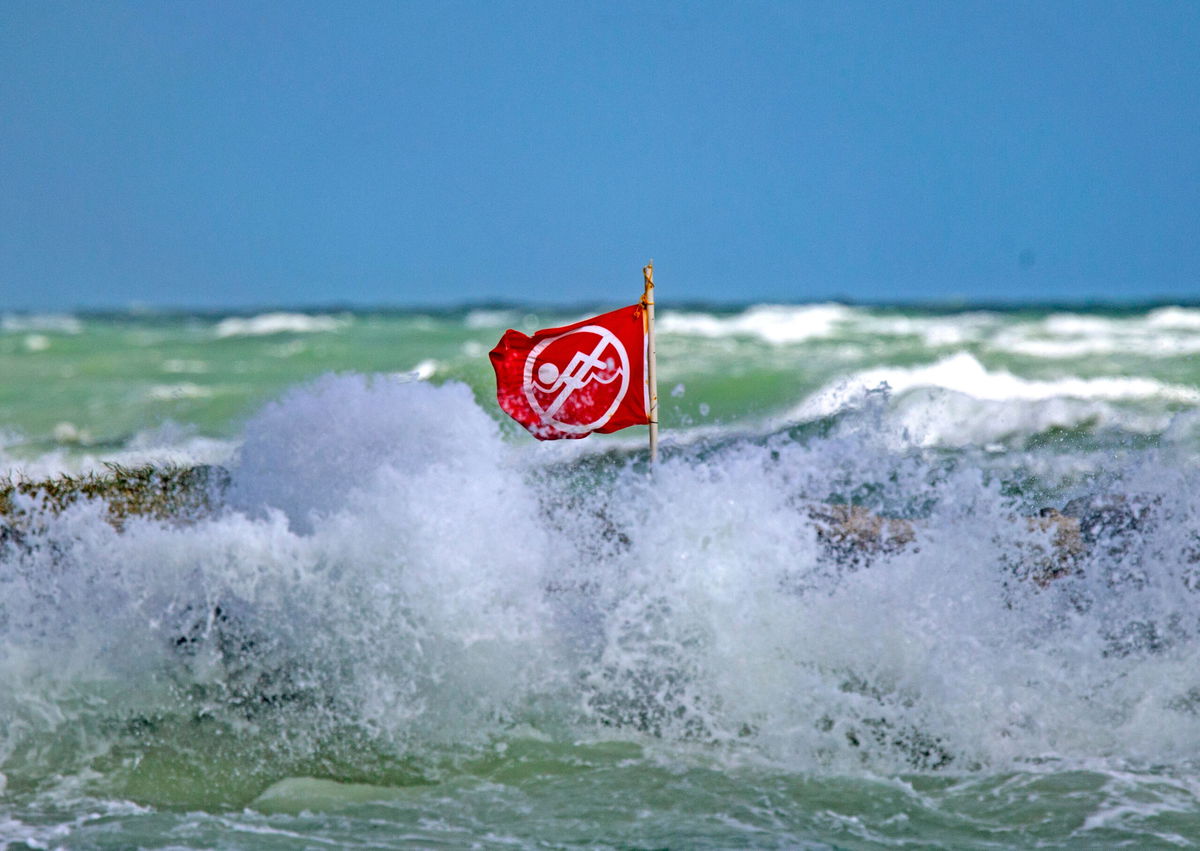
[651, 366]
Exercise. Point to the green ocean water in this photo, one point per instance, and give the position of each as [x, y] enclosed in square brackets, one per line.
[103, 380]
[412, 625]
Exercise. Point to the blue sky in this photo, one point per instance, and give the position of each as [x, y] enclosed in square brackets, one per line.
[243, 153]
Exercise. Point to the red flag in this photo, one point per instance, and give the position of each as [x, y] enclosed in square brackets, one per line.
[569, 382]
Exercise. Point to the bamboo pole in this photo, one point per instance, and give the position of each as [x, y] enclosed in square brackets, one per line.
[651, 365]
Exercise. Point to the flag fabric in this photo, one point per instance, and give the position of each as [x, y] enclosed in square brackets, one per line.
[571, 381]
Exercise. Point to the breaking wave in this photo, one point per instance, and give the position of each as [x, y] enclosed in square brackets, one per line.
[776, 324]
[957, 402]
[390, 583]
[266, 324]
[1163, 333]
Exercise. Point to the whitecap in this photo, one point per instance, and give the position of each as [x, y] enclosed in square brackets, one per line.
[55, 323]
[778, 324]
[68, 432]
[37, 343]
[1182, 318]
[1145, 346]
[964, 374]
[1075, 324]
[957, 402]
[1168, 332]
[935, 417]
[304, 453]
[277, 323]
[478, 319]
[423, 371]
[936, 331]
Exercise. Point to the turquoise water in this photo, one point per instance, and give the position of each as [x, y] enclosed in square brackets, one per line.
[411, 625]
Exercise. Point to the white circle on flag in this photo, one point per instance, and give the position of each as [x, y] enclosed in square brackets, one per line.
[592, 346]
[547, 373]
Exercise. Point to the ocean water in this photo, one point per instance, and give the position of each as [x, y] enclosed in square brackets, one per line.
[409, 624]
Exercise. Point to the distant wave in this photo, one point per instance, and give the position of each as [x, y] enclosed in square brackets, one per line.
[277, 323]
[772, 323]
[963, 373]
[1161, 333]
[957, 402]
[58, 323]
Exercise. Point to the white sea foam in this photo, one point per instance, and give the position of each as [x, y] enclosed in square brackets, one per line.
[1152, 346]
[41, 835]
[934, 331]
[1182, 318]
[776, 324]
[423, 371]
[277, 323]
[933, 417]
[1163, 333]
[1076, 324]
[36, 343]
[167, 444]
[304, 454]
[68, 432]
[421, 581]
[958, 402]
[53, 323]
[963, 373]
[1166, 332]
[170, 444]
[477, 319]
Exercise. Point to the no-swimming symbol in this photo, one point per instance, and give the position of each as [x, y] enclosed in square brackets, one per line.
[575, 374]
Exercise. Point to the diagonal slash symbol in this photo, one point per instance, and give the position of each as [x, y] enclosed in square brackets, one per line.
[581, 370]
[576, 376]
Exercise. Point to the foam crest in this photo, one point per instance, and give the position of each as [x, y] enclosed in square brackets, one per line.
[409, 607]
[1163, 333]
[730, 621]
[963, 373]
[1143, 345]
[775, 324]
[958, 402]
[169, 444]
[934, 331]
[307, 452]
[1181, 318]
[266, 324]
[935, 417]
[57, 323]
[478, 319]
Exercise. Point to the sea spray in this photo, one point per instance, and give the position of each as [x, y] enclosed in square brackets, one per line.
[391, 594]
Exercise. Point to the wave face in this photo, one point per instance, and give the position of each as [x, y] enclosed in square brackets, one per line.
[408, 619]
